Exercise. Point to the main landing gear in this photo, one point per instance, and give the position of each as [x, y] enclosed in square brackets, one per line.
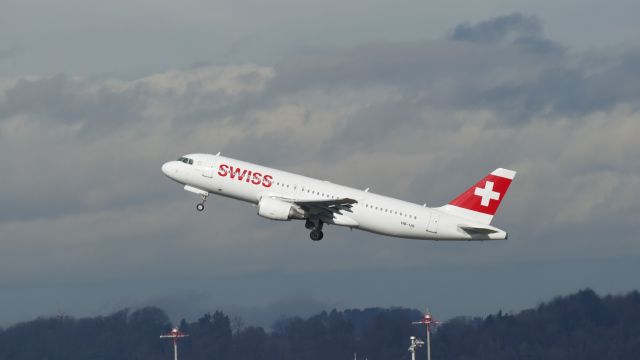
[316, 234]
[200, 206]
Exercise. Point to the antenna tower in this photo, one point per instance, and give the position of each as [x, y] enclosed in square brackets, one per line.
[427, 320]
[175, 334]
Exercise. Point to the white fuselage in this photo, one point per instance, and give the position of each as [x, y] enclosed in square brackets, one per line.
[215, 174]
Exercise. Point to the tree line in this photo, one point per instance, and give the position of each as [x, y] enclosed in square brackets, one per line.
[579, 326]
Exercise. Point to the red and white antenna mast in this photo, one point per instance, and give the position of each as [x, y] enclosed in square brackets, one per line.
[427, 320]
[175, 334]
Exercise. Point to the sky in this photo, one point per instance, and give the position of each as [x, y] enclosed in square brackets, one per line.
[416, 100]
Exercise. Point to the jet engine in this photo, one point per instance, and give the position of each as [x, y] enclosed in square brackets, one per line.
[275, 209]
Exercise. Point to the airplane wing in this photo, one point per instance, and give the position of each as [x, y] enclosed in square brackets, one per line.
[327, 207]
[325, 203]
[330, 211]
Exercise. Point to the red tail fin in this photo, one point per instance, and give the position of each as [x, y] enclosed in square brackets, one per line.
[480, 202]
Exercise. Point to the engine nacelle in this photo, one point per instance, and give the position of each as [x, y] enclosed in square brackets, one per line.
[275, 209]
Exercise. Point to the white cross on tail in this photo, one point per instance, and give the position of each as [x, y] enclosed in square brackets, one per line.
[487, 193]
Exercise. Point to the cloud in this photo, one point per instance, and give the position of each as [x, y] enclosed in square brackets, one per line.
[83, 198]
[505, 65]
[517, 29]
[9, 52]
[100, 141]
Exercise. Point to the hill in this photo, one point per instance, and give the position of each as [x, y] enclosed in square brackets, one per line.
[579, 326]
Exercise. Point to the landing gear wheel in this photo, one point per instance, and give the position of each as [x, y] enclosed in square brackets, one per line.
[309, 224]
[316, 235]
[200, 206]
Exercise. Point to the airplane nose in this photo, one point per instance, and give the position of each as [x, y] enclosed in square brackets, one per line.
[168, 168]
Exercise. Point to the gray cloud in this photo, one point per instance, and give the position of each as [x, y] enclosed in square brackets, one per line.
[504, 65]
[9, 51]
[499, 29]
[62, 100]
[83, 199]
[570, 91]
[517, 29]
[376, 97]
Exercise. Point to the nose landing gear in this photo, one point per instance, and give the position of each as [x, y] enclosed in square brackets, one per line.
[200, 206]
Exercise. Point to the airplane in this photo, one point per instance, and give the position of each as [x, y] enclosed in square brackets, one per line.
[281, 195]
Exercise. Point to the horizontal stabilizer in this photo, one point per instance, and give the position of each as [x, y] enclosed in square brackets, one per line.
[476, 229]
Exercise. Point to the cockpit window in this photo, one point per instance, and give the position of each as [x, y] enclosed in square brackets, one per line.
[186, 160]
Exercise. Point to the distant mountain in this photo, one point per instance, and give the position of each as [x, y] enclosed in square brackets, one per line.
[578, 326]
